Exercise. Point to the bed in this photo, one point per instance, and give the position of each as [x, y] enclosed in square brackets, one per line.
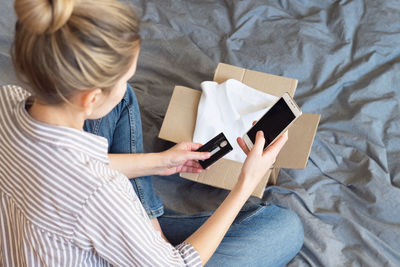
[346, 57]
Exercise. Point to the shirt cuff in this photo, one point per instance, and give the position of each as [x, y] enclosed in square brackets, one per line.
[189, 255]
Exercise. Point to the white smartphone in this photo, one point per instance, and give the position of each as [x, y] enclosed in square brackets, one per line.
[274, 122]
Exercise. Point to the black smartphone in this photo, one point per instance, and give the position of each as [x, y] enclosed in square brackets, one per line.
[274, 122]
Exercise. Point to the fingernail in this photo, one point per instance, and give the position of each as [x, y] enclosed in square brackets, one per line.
[261, 133]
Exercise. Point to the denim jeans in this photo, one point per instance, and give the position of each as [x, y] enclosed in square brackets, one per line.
[261, 235]
[123, 129]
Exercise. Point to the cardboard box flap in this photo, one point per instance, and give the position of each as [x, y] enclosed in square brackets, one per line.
[268, 83]
[180, 119]
[295, 153]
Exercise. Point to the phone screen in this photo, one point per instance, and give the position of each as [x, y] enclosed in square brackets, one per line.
[278, 117]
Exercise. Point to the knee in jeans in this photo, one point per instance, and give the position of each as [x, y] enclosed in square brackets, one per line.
[291, 229]
[280, 234]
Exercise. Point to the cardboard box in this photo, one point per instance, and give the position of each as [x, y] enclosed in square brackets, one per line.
[180, 120]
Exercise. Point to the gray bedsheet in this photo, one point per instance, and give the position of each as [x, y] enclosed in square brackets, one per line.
[346, 57]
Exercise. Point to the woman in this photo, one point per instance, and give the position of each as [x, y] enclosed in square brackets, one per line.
[65, 198]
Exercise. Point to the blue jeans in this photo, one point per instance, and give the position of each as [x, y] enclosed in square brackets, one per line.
[261, 235]
[123, 129]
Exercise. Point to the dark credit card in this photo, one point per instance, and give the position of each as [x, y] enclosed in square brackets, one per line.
[219, 146]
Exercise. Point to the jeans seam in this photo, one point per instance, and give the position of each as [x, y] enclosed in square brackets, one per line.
[154, 208]
[141, 195]
[156, 213]
[133, 150]
[133, 129]
[257, 211]
[96, 126]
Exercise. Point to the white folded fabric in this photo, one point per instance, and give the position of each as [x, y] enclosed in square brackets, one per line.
[229, 107]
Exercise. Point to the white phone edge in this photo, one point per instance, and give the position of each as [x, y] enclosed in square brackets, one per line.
[293, 107]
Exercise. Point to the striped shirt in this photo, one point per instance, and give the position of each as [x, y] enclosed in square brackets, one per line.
[62, 206]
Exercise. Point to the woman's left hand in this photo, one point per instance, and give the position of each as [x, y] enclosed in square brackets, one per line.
[182, 158]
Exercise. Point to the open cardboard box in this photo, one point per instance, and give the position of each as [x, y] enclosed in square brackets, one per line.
[180, 121]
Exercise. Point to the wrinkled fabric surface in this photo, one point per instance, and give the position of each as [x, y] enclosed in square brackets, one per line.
[346, 56]
[222, 108]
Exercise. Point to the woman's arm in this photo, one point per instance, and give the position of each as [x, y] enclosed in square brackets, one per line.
[207, 238]
[180, 158]
[136, 165]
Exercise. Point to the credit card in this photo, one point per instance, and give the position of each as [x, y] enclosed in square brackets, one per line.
[219, 146]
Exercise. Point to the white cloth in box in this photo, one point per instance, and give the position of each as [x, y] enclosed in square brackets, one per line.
[229, 107]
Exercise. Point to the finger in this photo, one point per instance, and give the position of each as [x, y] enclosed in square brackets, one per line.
[192, 163]
[259, 144]
[282, 140]
[191, 169]
[286, 135]
[189, 146]
[242, 145]
[197, 155]
[278, 144]
[194, 146]
[254, 122]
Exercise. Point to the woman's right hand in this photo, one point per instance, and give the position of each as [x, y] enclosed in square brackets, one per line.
[258, 160]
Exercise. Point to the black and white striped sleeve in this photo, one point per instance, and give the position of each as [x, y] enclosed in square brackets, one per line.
[115, 225]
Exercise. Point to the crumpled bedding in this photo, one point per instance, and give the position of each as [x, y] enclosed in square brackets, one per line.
[346, 56]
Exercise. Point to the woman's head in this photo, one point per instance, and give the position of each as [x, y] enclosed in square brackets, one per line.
[63, 47]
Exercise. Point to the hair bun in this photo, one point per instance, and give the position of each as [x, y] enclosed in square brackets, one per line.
[43, 16]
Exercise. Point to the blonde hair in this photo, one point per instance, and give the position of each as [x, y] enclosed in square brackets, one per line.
[63, 46]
